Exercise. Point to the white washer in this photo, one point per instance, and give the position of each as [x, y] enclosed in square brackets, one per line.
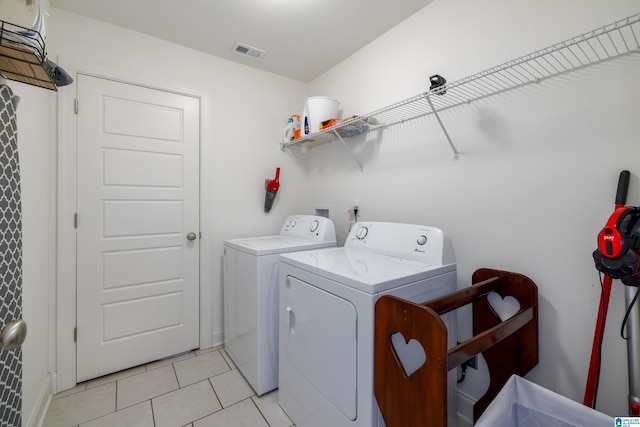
[251, 294]
[327, 300]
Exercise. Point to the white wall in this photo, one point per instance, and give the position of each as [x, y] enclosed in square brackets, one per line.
[538, 166]
[534, 184]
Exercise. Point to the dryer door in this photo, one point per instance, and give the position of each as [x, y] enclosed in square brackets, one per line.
[319, 343]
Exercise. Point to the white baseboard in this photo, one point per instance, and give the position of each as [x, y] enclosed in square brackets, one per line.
[465, 404]
[217, 337]
[36, 419]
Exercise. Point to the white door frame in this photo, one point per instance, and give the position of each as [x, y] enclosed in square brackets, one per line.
[65, 347]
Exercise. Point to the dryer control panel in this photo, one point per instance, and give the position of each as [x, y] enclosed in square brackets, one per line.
[417, 242]
[309, 227]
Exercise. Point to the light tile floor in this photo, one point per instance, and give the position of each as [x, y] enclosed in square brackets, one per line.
[201, 388]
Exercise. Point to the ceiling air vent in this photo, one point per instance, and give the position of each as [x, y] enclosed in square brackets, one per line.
[244, 49]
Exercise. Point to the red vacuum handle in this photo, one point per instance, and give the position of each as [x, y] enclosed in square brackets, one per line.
[623, 187]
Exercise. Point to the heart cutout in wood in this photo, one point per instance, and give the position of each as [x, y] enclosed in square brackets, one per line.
[411, 353]
[505, 307]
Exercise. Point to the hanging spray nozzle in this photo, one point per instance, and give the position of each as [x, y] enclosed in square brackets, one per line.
[271, 186]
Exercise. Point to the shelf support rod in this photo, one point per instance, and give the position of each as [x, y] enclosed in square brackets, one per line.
[348, 149]
[435, 113]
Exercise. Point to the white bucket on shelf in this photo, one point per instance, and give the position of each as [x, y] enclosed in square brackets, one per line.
[318, 109]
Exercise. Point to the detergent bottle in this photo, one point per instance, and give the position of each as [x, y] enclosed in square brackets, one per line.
[292, 131]
[296, 126]
[288, 130]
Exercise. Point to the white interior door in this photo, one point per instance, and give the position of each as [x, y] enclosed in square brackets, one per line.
[137, 205]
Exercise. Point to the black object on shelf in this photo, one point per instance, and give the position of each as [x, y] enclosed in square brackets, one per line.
[437, 81]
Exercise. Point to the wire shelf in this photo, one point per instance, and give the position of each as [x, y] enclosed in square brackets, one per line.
[611, 41]
[23, 57]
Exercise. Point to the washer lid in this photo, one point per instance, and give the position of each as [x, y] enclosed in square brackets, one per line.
[268, 245]
[367, 271]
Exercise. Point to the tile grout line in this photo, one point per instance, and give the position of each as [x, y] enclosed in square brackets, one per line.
[217, 398]
[187, 385]
[117, 383]
[258, 408]
[115, 400]
[153, 413]
[230, 406]
[215, 394]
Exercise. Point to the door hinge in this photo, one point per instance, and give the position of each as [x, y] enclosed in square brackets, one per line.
[75, 220]
[75, 105]
[75, 334]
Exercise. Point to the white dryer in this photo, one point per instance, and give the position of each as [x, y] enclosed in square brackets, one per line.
[327, 300]
[251, 294]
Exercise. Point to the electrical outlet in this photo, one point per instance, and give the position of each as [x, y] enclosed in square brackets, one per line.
[472, 363]
[356, 210]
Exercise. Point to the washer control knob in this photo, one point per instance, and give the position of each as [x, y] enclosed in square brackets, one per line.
[314, 225]
[362, 233]
[422, 240]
